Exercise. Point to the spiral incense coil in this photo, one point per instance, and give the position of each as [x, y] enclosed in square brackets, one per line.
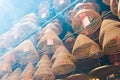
[103, 71]
[86, 21]
[111, 40]
[44, 61]
[15, 75]
[107, 23]
[44, 73]
[107, 2]
[63, 64]
[118, 10]
[49, 42]
[5, 77]
[5, 68]
[114, 6]
[26, 52]
[28, 72]
[77, 77]
[91, 1]
[81, 6]
[84, 47]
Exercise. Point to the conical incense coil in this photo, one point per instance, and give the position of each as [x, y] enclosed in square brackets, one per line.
[49, 42]
[77, 77]
[111, 40]
[63, 63]
[69, 41]
[107, 23]
[15, 75]
[27, 74]
[107, 2]
[114, 6]
[44, 72]
[59, 50]
[86, 21]
[5, 77]
[81, 6]
[84, 47]
[9, 57]
[26, 52]
[44, 61]
[118, 10]
[91, 1]
[5, 68]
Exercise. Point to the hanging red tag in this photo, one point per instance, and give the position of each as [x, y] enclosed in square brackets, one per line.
[85, 20]
[50, 42]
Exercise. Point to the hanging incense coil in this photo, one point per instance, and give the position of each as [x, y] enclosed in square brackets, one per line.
[44, 71]
[15, 75]
[27, 74]
[5, 68]
[118, 10]
[84, 47]
[26, 52]
[44, 61]
[86, 21]
[111, 40]
[107, 23]
[103, 71]
[5, 77]
[70, 40]
[63, 63]
[107, 2]
[77, 77]
[114, 6]
[81, 6]
[49, 42]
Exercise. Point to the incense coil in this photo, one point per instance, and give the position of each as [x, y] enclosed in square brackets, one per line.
[107, 2]
[5, 77]
[107, 23]
[44, 61]
[44, 73]
[81, 6]
[81, 26]
[77, 77]
[49, 42]
[28, 72]
[111, 40]
[114, 6]
[26, 52]
[63, 63]
[84, 47]
[15, 75]
[118, 10]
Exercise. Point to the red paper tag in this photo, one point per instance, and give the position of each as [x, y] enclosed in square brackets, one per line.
[50, 42]
[115, 38]
[84, 19]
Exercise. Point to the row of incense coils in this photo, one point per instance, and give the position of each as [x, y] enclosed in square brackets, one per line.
[83, 49]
